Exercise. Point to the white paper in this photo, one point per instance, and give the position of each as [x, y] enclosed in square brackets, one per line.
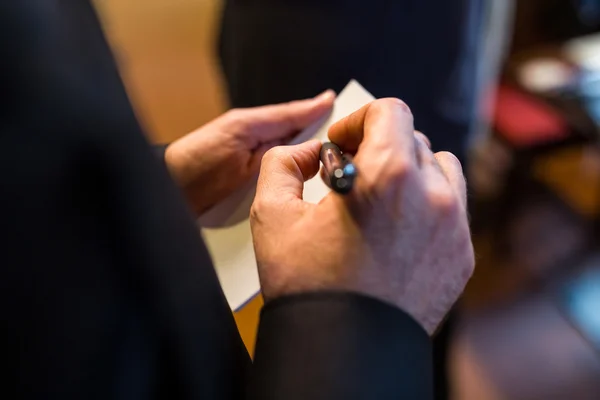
[226, 228]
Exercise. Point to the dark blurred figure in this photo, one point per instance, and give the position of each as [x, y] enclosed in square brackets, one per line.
[424, 52]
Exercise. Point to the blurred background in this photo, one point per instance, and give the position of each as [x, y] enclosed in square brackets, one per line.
[529, 323]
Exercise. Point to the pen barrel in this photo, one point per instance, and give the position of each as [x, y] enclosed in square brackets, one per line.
[332, 159]
[338, 168]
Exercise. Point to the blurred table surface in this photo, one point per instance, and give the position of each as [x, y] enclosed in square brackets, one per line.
[166, 54]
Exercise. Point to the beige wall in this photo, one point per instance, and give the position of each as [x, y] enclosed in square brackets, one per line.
[165, 51]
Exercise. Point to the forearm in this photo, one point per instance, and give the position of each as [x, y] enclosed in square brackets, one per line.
[339, 346]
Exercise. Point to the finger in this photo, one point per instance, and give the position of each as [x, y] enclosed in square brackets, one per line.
[272, 122]
[258, 154]
[453, 171]
[423, 151]
[385, 124]
[381, 134]
[284, 170]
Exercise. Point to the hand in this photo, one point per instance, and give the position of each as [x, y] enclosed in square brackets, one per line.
[401, 236]
[213, 161]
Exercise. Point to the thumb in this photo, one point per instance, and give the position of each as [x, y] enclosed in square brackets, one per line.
[279, 121]
[284, 170]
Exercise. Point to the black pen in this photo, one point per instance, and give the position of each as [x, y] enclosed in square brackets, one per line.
[338, 168]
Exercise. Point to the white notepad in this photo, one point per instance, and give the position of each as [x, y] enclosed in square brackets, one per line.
[226, 228]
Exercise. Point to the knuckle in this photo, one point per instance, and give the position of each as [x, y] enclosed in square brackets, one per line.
[392, 175]
[275, 154]
[236, 117]
[392, 103]
[445, 203]
[400, 169]
[255, 210]
[449, 157]
[234, 113]
[259, 205]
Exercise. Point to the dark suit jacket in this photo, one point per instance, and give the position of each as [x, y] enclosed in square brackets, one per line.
[422, 51]
[107, 289]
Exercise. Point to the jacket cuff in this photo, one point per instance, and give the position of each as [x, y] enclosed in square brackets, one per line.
[340, 346]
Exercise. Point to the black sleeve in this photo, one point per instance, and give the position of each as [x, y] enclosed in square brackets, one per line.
[107, 290]
[340, 346]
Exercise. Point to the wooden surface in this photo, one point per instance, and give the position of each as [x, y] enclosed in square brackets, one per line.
[165, 50]
[247, 321]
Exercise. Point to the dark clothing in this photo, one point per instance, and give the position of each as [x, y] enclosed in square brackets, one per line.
[108, 291]
[422, 51]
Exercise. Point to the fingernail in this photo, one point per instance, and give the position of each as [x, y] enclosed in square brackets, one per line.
[326, 95]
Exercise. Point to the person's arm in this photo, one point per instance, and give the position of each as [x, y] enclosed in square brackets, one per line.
[339, 346]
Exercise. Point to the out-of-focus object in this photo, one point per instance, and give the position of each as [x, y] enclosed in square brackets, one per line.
[533, 307]
[527, 350]
[525, 121]
[580, 300]
[573, 175]
[546, 75]
[544, 22]
[584, 52]
[536, 181]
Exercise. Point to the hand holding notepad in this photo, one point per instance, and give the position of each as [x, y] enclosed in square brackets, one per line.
[229, 239]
